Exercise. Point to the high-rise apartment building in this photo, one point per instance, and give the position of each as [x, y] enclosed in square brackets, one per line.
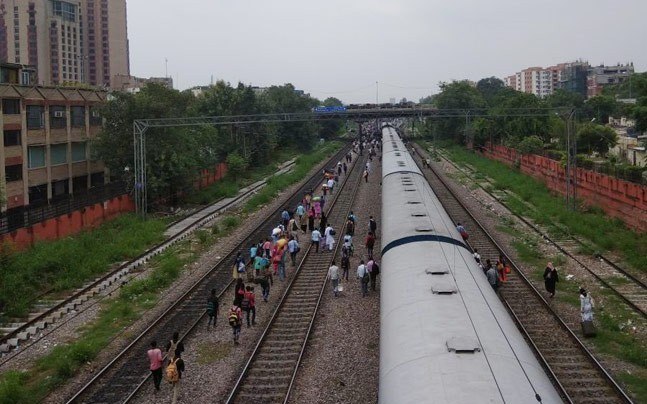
[533, 80]
[601, 76]
[72, 41]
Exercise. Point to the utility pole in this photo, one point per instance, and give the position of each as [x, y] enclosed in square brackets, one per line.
[571, 163]
[377, 91]
[166, 67]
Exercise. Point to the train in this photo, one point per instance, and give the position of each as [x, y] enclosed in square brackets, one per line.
[445, 337]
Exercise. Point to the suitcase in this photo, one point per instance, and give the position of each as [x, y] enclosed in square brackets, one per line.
[588, 329]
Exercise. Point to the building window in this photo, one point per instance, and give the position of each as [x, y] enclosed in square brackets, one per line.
[12, 138]
[38, 195]
[65, 10]
[36, 157]
[13, 173]
[58, 153]
[78, 117]
[35, 117]
[57, 118]
[95, 117]
[78, 151]
[10, 106]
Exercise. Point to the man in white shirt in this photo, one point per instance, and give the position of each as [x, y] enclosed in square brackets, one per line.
[333, 275]
[331, 185]
[315, 237]
[363, 276]
[330, 239]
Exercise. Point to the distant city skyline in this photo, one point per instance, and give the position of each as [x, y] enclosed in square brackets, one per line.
[342, 49]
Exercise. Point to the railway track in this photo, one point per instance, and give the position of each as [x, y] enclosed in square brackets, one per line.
[625, 285]
[577, 374]
[122, 377]
[51, 312]
[270, 372]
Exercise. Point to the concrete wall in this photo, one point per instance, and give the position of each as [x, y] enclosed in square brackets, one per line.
[624, 200]
[72, 223]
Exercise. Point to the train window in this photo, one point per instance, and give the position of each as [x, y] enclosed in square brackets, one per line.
[418, 214]
[414, 202]
[398, 154]
[436, 272]
[409, 189]
[443, 288]
[424, 229]
[461, 345]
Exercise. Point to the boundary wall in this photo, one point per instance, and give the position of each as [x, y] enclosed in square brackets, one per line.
[91, 216]
[620, 199]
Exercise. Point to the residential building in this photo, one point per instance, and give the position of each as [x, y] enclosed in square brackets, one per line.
[67, 42]
[132, 84]
[45, 155]
[601, 76]
[573, 77]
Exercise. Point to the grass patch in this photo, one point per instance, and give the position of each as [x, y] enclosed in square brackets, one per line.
[68, 263]
[636, 385]
[64, 361]
[209, 352]
[591, 224]
[302, 167]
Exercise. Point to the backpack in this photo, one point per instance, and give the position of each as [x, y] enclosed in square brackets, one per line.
[172, 374]
[211, 307]
[376, 268]
[366, 278]
[244, 304]
[332, 232]
[233, 318]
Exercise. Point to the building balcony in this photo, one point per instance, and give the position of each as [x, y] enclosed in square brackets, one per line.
[58, 135]
[60, 172]
[36, 136]
[12, 152]
[37, 176]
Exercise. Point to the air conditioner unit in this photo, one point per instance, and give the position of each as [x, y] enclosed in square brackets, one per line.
[95, 114]
[59, 114]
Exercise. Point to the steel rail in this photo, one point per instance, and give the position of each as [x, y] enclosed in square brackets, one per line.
[137, 261]
[214, 271]
[275, 315]
[536, 294]
[624, 272]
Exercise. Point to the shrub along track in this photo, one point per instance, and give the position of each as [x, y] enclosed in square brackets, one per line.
[125, 372]
[270, 372]
[577, 374]
[628, 287]
[59, 312]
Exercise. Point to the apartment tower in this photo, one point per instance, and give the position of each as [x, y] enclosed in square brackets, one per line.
[67, 42]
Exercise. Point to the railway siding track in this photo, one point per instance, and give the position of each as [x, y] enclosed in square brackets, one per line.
[121, 378]
[627, 286]
[50, 312]
[578, 375]
[270, 372]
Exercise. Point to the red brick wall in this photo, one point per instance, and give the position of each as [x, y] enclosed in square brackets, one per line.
[65, 225]
[624, 200]
[209, 176]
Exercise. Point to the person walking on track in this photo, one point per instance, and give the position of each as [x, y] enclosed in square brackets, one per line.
[235, 320]
[363, 276]
[156, 360]
[333, 275]
[212, 308]
[550, 278]
[174, 375]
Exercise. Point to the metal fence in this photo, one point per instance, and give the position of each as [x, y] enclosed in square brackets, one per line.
[26, 216]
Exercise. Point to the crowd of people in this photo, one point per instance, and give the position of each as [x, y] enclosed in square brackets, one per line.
[270, 259]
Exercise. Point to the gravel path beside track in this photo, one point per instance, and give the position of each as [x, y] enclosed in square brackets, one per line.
[341, 361]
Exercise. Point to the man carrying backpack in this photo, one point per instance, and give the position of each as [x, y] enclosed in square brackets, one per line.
[249, 305]
[174, 347]
[364, 277]
[235, 320]
[370, 243]
[375, 271]
[174, 374]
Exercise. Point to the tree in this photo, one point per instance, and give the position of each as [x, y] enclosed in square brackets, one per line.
[593, 137]
[531, 144]
[489, 87]
[458, 96]
[236, 164]
[513, 129]
[564, 99]
[600, 107]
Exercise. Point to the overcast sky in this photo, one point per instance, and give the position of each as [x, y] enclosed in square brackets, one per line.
[342, 48]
